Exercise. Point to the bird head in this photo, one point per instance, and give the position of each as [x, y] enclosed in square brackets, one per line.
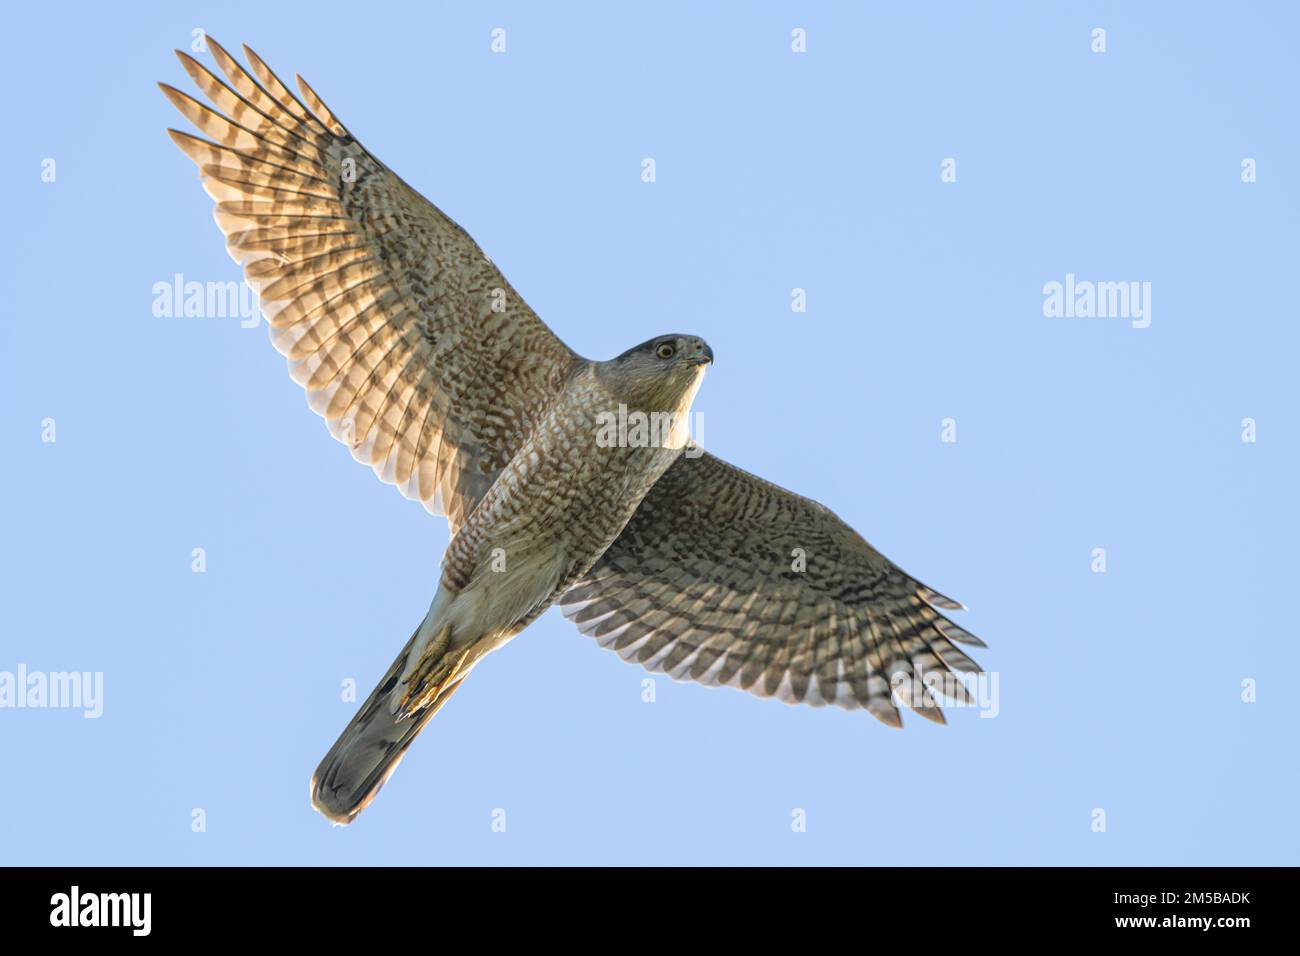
[664, 363]
[662, 373]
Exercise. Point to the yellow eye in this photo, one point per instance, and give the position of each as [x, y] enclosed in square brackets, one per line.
[665, 351]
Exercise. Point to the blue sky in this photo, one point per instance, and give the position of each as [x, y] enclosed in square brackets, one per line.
[1119, 691]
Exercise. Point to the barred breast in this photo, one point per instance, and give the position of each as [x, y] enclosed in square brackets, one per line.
[559, 503]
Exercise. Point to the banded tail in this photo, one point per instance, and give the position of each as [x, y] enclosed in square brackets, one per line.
[372, 745]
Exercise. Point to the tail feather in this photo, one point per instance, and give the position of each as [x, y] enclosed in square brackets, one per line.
[369, 749]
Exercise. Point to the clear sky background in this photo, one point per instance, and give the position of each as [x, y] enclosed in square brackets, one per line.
[1120, 691]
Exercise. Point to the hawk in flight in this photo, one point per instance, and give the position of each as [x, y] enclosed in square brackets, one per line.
[425, 362]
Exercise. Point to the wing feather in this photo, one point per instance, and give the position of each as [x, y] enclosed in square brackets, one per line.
[406, 338]
[701, 585]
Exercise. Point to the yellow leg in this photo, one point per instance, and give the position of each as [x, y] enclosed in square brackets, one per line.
[434, 671]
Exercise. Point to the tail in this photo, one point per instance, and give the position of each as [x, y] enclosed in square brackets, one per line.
[369, 749]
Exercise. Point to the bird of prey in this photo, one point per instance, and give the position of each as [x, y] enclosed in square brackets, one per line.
[423, 360]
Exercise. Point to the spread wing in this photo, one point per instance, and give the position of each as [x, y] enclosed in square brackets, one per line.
[702, 585]
[407, 340]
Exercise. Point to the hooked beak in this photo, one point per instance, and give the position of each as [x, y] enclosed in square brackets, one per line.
[704, 356]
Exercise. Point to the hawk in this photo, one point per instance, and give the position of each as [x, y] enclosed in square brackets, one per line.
[425, 362]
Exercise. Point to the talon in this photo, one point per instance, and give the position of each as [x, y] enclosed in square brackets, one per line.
[433, 672]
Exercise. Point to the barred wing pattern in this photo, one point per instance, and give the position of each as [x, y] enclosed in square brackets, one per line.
[700, 585]
[407, 340]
